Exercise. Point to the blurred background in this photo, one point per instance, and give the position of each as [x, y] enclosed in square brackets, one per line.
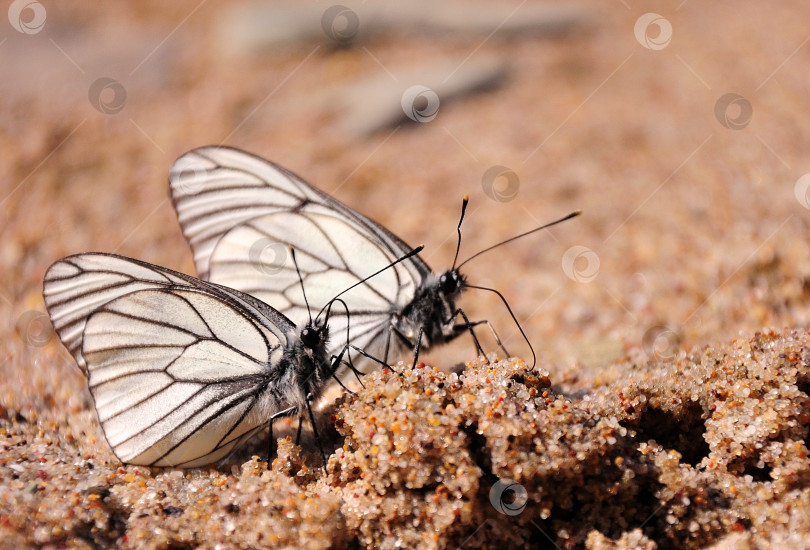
[680, 129]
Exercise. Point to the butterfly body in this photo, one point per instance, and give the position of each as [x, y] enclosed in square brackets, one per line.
[432, 312]
[181, 371]
[306, 365]
[232, 205]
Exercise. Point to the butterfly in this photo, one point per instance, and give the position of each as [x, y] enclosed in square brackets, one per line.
[182, 371]
[238, 210]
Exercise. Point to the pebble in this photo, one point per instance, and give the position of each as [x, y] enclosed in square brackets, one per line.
[260, 26]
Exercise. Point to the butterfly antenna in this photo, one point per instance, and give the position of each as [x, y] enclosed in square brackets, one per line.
[509, 309]
[535, 230]
[348, 344]
[410, 254]
[301, 280]
[464, 203]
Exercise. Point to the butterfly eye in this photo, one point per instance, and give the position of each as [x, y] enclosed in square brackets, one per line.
[448, 282]
[310, 337]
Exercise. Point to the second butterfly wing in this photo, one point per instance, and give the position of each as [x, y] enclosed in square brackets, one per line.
[240, 213]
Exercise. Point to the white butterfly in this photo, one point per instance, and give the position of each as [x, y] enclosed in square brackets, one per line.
[182, 371]
[234, 206]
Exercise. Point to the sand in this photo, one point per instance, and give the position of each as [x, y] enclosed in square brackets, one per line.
[669, 406]
[672, 454]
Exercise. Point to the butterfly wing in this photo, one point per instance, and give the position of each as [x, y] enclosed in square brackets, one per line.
[235, 207]
[76, 286]
[215, 189]
[177, 367]
[333, 254]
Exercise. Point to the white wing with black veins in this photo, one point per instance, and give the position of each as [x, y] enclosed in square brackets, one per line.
[177, 366]
[240, 213]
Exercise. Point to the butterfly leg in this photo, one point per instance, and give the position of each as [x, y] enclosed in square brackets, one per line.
[468, 326]
[298, 433]
[350, 363]
[315, 431]
[497, 338]
[383, 364]
[342, 385]
[271, 444]
[463, 328]
[417, 348]
[387, 349]
[336, 360]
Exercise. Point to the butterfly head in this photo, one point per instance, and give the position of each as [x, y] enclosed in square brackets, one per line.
[312, 336]
[451, 283]
[312, 339]
[431, 311]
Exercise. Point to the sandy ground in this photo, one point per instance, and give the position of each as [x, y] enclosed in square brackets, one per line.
[691, 257]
